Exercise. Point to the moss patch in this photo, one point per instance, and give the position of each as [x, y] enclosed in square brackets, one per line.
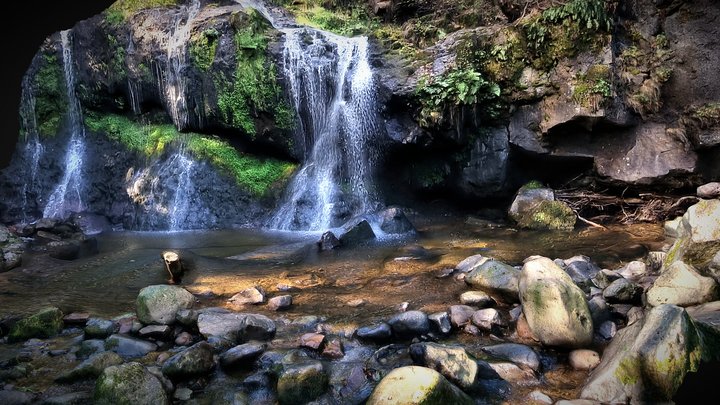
[44, 324]
[593, 89]
[50, 96]
[203, 47]
[121, 10]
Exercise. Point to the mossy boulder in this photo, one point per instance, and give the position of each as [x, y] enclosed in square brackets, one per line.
[682, 285]
[129, 384]
[536, 208]
[554, 307]
[648, 360]
[158, 304]
[44, 324]
[698, 235]
[302, 383]
[414, 385]
[497, 279]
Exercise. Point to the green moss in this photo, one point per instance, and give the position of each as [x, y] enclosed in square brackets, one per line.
[532, 185]
[44, 324]
[628, 372]
[116, 67]
[50, 96]
[346, 21]
[203, 47]
[121, 10]
[553, 215]
[593, 89]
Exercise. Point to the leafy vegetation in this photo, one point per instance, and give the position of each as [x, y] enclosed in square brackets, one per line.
[203, 47]
[253, 174]
[116, 69]
[456, 88]
[50, 96]
[253, 87]
[121, 10]
[593, 88]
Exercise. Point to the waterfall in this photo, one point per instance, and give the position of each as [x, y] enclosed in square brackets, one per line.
[185, 190]
[332, 90]
[172, 79]
[67, 195]
[32, 149]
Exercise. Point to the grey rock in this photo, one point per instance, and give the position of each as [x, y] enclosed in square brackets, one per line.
[183, 394]
[416, 385]
[469, 263]
[129, 383]
[236, 327]
[605, 277]
[514, 374]
[159, 304]
[187, 318]
[409, 324]
[477, 298]
[91, 368]
[607, 330]
[249, 296]
[328, 241]
[12, 397]
[394, 221]
[622, 291]
[377, 333]
[488, 319]
[356, 231]
[440, 322]
[129, 347]
[90, 347]
[682, 285]
[539, 398]
[633, 270]
[97, 328]
[162, 332]
[302, 383]
[460, 315]
[280, 303]
[496, 278]
[519, 354]
[194, 361]
[581, 269]
[452, 362]
[71, 398]
[709, 190]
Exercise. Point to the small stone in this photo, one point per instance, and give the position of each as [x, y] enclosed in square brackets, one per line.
[248, 296]
[129, 347]
[514, 374]
[161, 332]
[333, 350]
[517, 353]
[539, 398]
[187, 318]
[635, 314]
[440, 322]
[280, 303]
[634, 269]
[312, 340]
[196, 360]
[162, 357]
[622, 290]
[242, 355]
[356, 303]
[183, 394]
[583, 359]
[709, 190]
[97, 328]
[184, 339]
[76, 318]
[471, 329]
[444, 273]
[607, 330]
[487, 319]
[477, 298]
[409, 324]
[460, 315]
[402, 307]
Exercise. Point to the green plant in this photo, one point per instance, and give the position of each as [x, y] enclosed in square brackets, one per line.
[121, 10]
[455, 88]
[50, 96]
[347, 21]
[593, 88]
[116, 69]
[203, 47]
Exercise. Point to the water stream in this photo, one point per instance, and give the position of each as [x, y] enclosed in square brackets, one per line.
[67, 196]
[33, 148]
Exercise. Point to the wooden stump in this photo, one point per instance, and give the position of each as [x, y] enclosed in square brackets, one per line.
[173, 265]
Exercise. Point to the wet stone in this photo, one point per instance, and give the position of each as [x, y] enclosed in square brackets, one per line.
[333, 350]
[242, 355]
[440, 322]
[161, 332]
[377, 333]
[312, 341]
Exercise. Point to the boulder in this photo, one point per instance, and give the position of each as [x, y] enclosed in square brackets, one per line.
[409, 324]
[45, 323]
[129, 347]
[452, 362]
[97, 328]
[682, 285]
[91, 368]
[159, 304]
[419, 386]
[376, 333]
[534, 207]
[302, 383]
[236, 327]
[709, 190]
[519, 354]
[583, 359]
[129, 383]
[394, 221]
[496, 278]
[554, 307]
[196, 360]
[698, 236]
[328, 241]
[356, 231]
[648, 360]
[477, 298]
[460, 315]
[248, 296]
[622, 291]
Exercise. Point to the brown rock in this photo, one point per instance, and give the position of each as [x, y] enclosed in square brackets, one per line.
[523, 329]
[184, 339]
[312, 341]
[333, 350]
[76, 318]
[248, 296]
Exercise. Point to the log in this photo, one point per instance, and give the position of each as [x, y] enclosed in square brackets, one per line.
[173, 265]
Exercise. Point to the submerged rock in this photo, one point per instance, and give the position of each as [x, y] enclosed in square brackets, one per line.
[129, 347]
[419, 386]
[555, 308]
[159, 304]
[129, 383]
[46, 323]
[91, 368]
[302, 383]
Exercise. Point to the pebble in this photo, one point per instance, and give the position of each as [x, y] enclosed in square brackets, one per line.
[583, 359]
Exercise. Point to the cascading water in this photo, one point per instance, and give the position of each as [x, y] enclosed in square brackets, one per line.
[333, 92]
[33, 149]
[185, 189]
[67, 195]
[172, 79]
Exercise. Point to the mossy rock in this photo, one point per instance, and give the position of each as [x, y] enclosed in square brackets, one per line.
[129, 384]
[44, 324]
[534, 207]
[418, 386]
[158, 304]
[301, 384]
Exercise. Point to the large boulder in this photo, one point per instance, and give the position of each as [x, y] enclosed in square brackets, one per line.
[452, 362]
[196, 360]
[236, 327]
[554, 307]
[535, 207]
[414, 385]
[46, 323]
[698, 235]
[159, 304]
[682, 285]
[356, 231]
[128, 384]
[496, 278]
[647, 361]
[300, 384]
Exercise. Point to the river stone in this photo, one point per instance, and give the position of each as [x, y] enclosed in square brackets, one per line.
[183, 339]
[622, 291]
[633, 270]
[248, 296]
[129, 347]
[97, 328]
[71, 398]
[440, 322]
[648, 360]
[377, 333]
[158, 304]
[302, 383]
[709, 190]
[409, 324]
[583, 359]
[496, 278]
[354, 232]
[604, 278]
[90, 347]
[608, 329]
[581, 270]
[469, 263]
[394, 221]
[536, 208]
[187, 318]
[129, 383]
[539, 398]
[236, 327]
[333, 350]
[460, 315]
[417, 386]
[487, 319]
[599, 310]
[91, 368]
[161, 332]
[196, 360]
[313, 341]
[517, 353]
[452, 362]
[554, 307]
[280, 303]
[682, 285]
[702, 221]
[45, 323]
[77, 318]
[513, 374]
[477, 298]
